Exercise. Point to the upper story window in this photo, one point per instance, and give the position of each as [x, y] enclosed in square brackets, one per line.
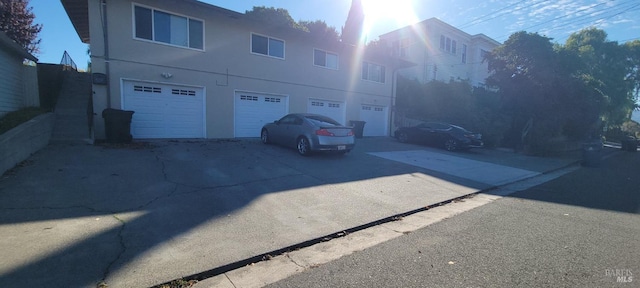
[484, 54]
[400, 48]
[373, 72]
[464, 53]
[449, 45]
[325, 59]
[267, 46]
[158, 26]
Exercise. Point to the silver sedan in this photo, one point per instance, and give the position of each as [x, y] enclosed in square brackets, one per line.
[308, 133]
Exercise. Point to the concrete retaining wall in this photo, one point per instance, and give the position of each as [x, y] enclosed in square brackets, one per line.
[17, 144]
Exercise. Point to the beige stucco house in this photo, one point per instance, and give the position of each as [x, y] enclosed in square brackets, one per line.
[441, 52]
[193, 70]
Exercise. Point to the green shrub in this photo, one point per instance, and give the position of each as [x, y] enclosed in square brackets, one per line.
[15, 118]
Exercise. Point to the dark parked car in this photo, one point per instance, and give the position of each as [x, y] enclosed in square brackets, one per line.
[450, 137]
[308, 133]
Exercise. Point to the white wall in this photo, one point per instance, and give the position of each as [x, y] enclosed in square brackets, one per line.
[11, 89]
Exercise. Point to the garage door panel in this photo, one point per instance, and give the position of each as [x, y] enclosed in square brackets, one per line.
[164, 111]
[376, 118]
[254, 110]
[180, 132]
[332, 109]
[146, 132]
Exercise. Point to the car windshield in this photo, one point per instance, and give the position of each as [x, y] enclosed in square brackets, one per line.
[461, 129]
[322, 120]
[434, 125]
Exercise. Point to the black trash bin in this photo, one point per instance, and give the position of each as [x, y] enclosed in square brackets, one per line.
[358, 127]
[117, 125]
[591, 153]
[630, 143]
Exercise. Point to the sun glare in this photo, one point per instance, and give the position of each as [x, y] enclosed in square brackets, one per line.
[396, 13]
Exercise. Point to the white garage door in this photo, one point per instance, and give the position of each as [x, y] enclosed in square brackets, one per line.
[376, 120]
[332, 109]
[164, 111]
[253, 110]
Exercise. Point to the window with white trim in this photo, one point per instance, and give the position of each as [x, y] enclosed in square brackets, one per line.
[325, 59]
[248, 98]
[183, 92]
[464, 53]
[484, 53]
[448, 44]
[159, 26]
[267, 46]
[148, 89]
[373, 72]
[272, 99]
[400, 48]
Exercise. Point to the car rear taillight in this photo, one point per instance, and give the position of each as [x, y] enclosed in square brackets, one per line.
[350, 133]
[324, 132]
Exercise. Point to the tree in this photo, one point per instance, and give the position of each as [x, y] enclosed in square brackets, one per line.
[319, 30]
[16, 20]
[275, 16]
[605, 68]
[633, 66]
[541, 92]
[352, 30]
[280, 17]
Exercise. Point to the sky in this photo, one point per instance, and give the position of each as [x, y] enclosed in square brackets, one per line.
[495, 18]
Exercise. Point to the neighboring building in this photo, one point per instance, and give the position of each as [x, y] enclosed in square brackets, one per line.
[193, 70]
[441, 52]
[17, 89]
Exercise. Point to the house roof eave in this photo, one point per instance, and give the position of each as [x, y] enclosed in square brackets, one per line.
[15, 47]
[78, 12]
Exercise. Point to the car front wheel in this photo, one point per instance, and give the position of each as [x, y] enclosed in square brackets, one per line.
[451, 145]
[403, 137]
[303, 146]
[264, 136]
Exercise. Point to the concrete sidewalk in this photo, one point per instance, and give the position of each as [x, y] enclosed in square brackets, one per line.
[147, 213]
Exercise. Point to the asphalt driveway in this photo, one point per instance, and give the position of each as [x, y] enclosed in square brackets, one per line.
[143, 214]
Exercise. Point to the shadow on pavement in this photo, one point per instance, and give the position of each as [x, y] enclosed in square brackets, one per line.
[618, 178]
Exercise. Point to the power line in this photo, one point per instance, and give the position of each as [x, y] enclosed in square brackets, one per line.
[600, 18]
[501, 14]
[581, 19]
[487, 15]
[564, 16]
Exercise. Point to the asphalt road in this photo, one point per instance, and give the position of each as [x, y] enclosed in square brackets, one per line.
[580, 230]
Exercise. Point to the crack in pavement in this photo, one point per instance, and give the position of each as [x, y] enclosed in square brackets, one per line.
[122, 250]
[173, 192]
[294, 261]
[230, 281]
